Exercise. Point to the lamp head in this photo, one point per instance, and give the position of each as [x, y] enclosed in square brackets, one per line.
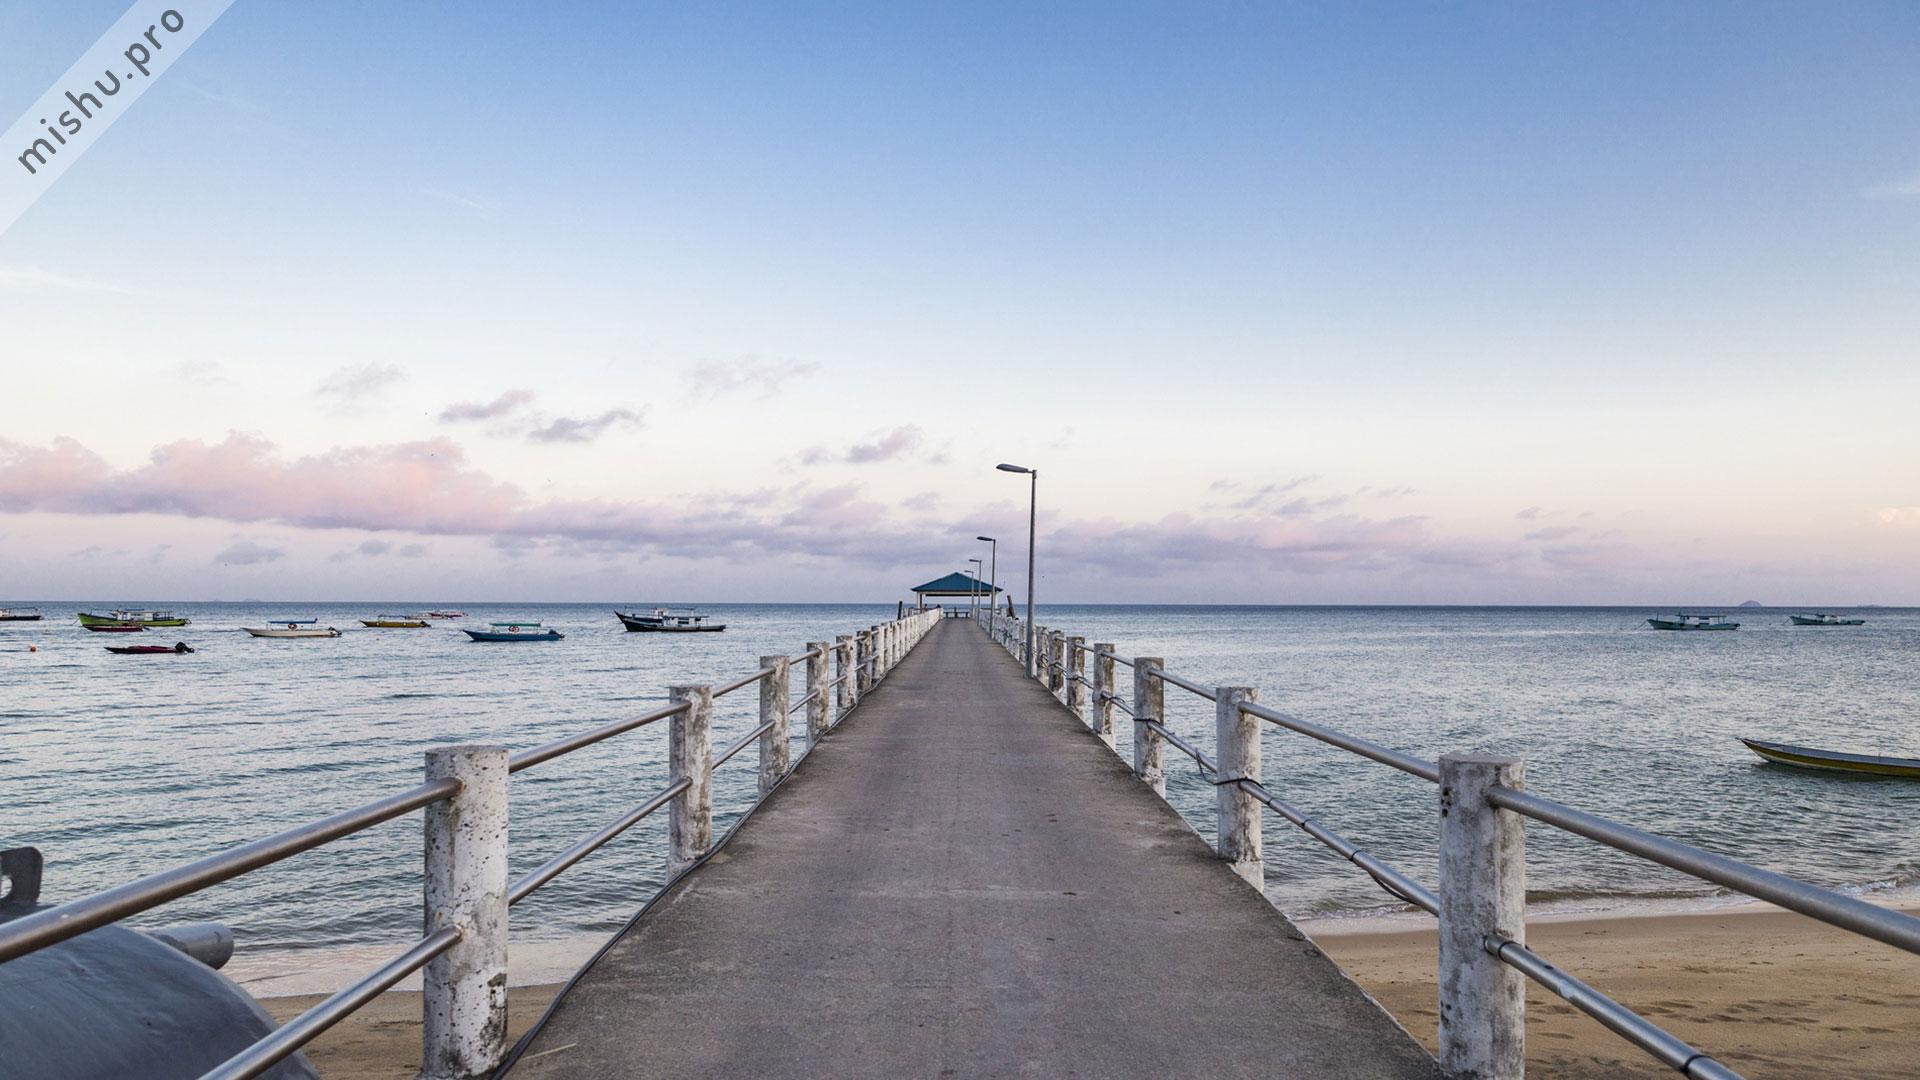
[1013, 468]
[988, 539]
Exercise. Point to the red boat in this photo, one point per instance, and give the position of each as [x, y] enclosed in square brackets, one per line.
[116, 628]
[179, 647]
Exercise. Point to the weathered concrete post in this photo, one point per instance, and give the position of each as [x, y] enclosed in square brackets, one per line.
[1103, 691]
[843, 671]
[1483, 891]
[1037, 644]
[819, 691]
[776, 746]
[1149, 750]
[689, 757]
[1237, 814]
[863, 664]
[1076, 673]
[1057, 661]
[464, 990]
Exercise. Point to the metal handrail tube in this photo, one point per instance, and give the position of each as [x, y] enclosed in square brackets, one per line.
[304, 1028]
[803, 657]
[1882, 924]
[54, 925]
[746, 740]
[526, 759]
[1116, 657]
[803, 702]
[1615, 1016]
[553, 867]
[1389, 878]
[1406, 763]
[1190, 749]
[1168, 676]
[748, 680]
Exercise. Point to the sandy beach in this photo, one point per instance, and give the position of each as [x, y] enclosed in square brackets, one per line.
[1771, 994]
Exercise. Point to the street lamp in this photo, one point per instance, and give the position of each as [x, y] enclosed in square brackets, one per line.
[973, 604]
[993, 578]
[1033, 501]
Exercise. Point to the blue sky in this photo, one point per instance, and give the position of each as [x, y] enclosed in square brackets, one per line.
[1493, 302]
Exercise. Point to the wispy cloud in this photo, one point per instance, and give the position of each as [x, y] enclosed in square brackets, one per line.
[479, 204]
[508, 402]
[762, 378]
[884, 446]
[356, 382]
[569, 429]
[40, 279]
[249, 553]
[1908, 188]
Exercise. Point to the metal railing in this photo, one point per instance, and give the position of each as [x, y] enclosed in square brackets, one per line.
[1481, 901]
[463, 1000]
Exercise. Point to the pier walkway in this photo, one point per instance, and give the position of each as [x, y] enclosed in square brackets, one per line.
[961, 881]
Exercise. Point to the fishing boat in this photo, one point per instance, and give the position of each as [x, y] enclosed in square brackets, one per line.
[513, 631]
[1685, 621]
[668, 621]
[115, 627]
[178, 648]
[144, 618]
[292, 628]
[19, 614]
[1823, 619]
[446, 614]
[395, 622]
[1806, 757]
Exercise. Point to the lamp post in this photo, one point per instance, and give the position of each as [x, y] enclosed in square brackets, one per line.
[993, 578]
[1033, 501]
[973, 591]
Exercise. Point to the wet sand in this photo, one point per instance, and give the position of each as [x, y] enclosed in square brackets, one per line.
[1771, 994]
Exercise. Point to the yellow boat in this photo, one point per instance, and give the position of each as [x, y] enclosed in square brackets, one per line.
[1806, 757]
[394, 622]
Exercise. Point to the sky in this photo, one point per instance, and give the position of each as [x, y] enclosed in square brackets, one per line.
[1288, 303]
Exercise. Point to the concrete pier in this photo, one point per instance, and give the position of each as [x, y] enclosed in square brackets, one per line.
[963, 880]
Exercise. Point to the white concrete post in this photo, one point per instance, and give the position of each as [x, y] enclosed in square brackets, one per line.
[1056, 661]
[1483, 891]
[820, 699]
[1149, 749]
[863, 667]
[847, 687]
[464, 990]
[1076, 673]
[690, 757]
[1236, 812]
[1038, 647]
[1103, 691]
[776, 746]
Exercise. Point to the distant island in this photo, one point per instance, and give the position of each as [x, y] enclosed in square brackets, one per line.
[1752, 603]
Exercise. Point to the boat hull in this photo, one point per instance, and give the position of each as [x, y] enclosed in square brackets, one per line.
[306, 632]
[21, 618]
[87, 619]
[1802, 620]
[115, 628]
[394, 624]
[501, 635]
[148, 650]
[1669, 624]
[643, 628]
[1807, 757]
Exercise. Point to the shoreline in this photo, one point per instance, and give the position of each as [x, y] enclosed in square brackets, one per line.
[1768, 992]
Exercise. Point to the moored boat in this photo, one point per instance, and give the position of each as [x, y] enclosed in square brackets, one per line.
[114, 627]
[292, 628]
[668, 621]
[20, 614]
[513, 631]
[1824, 619]
[178, 648]
[1685, 621]
[446, 614]
[1807, 757]
[142, 617]
[395, 622]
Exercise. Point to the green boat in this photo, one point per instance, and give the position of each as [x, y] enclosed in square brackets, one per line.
[1807, 757]
[1684, 621]
[132, 618]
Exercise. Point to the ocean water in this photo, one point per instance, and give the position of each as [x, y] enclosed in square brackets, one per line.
[120, 766]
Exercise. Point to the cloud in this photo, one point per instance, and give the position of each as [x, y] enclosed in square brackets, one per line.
[248, 553]
[479, 204]
[196, 373]
[40, 279]
[358, 381]
[1898, 517]
[886, 446]
[587, 428]
[375, 547]
[1908, 188]
[507, 402]
[1529, 514]
[764, 378]
[1553, 532]
[411, 551]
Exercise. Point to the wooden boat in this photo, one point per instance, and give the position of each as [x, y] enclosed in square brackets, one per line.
[144, 618]
[394, 622]
[20, 614]
[178, 648]
[292, 629]
[115, 627]
[1684, 621]
[446, 614]
[513, 631]
[668, 621]
[1807, 757]
[1822, 619]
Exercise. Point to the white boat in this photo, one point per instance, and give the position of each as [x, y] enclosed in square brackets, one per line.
[668, 621]
[1685, 621]
[292, 629]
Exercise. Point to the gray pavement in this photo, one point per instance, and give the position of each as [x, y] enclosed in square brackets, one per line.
[962, 881]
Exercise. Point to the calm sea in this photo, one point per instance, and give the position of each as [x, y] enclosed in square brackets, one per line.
[119, 766]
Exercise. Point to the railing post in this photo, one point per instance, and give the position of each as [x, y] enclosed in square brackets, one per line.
[820, 693]
[1037, 666]
[1483, 891]
[464, 990]
[1056, 661]
[1237, 814]
[690, 757]
[1103, 690]
[843, 665]
[776, 745]
[1076, 673]
[1149, 749]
